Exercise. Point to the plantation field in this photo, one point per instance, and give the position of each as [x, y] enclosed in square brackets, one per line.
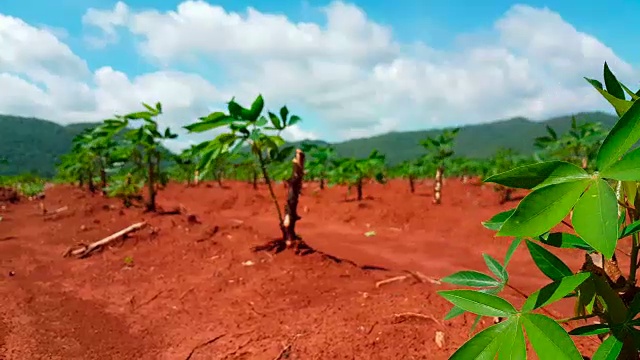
[189, 286]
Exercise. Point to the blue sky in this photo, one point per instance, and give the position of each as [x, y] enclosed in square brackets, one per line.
[435, 22]
[439, 25]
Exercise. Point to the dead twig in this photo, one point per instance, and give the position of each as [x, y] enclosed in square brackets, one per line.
[208, 342]
[423, 278]
[84, 251]
[151, 299]
[390, 280]
[400, 317]
[285, 352]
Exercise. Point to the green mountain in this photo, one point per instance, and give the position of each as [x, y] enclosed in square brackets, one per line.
[475, 141]
[35, 145]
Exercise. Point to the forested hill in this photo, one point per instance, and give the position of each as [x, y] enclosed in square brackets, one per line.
[35, 145]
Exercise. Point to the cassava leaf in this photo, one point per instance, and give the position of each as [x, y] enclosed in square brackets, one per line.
[554, 291]
[543, 208]
[548, 339]
[595, 218]
[479, 303]
[539, 174]
[549, 264]
[621, 138]
[485, 344]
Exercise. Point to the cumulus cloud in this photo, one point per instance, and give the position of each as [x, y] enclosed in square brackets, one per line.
[349, 73]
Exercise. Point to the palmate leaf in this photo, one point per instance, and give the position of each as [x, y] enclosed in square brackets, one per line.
[478, 302]
[456, 311]
[485, 344]
[543, 208]
[496, 268]
[496, 222]
[549, 264]
[595, 218]
[609, 349]
[554, 291]
[621, 106]
[626, 169]
[539, 174]
[621, 138]
[471, 278]
[548, 339]
[513, 346]
[564, 241]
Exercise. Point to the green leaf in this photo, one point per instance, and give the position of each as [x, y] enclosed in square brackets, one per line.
[613, 85]
[470, 278]
[616, 309]
[485, 344]
[456, 311]
[539, 174]
[548, 339]
[294, 120]
[630, 229]
[262, 121]
[626, 169]
[549, 264]
[275, 121]
[564, 241]
[479, 303]
[214, 120]
[496, 268]
[595, 218]
[609, 349]
[512, 248]
[589, 330]
[284, 115]
[495, 223]
[543, 209]
[256, 109]
[514, 346]
[633, 95]
[625, 133]
[554, 291]
[621, 106]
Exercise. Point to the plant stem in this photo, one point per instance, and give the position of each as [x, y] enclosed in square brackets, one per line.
[267, 180]
[581, 317]
[635, 246]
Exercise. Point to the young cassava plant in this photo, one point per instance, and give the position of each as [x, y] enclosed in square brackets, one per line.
[319, 162]
[247, 126]
[354, 172]
[604, 203]
[440, 148]
[147, 149]
[579, 145]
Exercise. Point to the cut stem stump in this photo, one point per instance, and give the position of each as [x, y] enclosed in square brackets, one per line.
[85, 250]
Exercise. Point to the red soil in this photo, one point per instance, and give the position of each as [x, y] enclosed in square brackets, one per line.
[187, 282]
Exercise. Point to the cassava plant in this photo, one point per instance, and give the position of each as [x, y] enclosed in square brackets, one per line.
[247, 126]
[355, 172]
[146, 149]
[440, 148]
[319, 162]
[412, 170]
[605, 213]
[579, 145]
[503, 160]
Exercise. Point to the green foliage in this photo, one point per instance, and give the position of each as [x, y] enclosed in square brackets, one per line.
[319, 162]
[440, 148]
[247, 127]
[579, 145]
[597, 201]
[354, 172]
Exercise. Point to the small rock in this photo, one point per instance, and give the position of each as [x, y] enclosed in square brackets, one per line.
[439, 339]
[12, 273]
[248, 263]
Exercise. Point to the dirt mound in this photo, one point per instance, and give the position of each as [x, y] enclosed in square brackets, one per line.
[180, 286]
[8, 194]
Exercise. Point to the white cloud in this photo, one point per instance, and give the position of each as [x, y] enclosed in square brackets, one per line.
[349, 73]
